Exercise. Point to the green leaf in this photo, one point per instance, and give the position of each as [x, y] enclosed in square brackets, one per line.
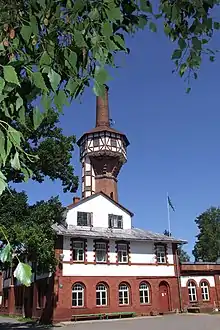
[2, 147]
[15, 162]
[195, 75]
[107, 29]
[21, 115]
[120, 41]
[167, 29]
[3, 182]
[216, 25]
[212, 58]
[196, 43]
[54, 78]
[101, 75]
[177, 54]
[2, 84]
[94, 14]
[183, 69]
[146, 6]
[142, 21]
[10, 74]
[114, 14]
[71, 86]
[34, 25]
[182, 43]
[188, 90]
[19, 102]
[15, 136]
[98, 89]
[60, 100]
[6, 253]
[37, 117]
[8, 147]
[23, 273]
[153, 27]
[46, 102]
[79, 39]
[45, 59]
[26, 32]
[72, 59]
[38, 80]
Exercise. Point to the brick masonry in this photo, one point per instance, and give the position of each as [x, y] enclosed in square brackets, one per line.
[64, 309]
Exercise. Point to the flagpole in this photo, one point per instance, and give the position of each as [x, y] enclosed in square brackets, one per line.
[168, 216]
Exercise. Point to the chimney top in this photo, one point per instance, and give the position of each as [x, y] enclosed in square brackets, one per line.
[102, 109]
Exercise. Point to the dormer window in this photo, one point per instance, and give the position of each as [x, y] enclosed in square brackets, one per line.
[115, 221]
[113, 142]
[84, 219]
[96, 142]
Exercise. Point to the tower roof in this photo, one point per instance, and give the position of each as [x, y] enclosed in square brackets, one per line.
[102, 118]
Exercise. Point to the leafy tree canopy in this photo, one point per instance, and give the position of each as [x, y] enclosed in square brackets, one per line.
[29, 227]
[51, 50]
[207, 247]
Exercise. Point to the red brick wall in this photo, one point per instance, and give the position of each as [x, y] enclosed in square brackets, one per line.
[64, 309]
[204, 305]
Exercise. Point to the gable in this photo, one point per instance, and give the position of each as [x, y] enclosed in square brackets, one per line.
[100, 206]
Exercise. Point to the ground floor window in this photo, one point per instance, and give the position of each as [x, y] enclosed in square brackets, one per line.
[192, 291]
[78, 295]
[144, 292]
[123, 294]
[101, 294]
[205, 291]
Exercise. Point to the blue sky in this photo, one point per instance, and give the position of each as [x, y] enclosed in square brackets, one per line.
[174, 138]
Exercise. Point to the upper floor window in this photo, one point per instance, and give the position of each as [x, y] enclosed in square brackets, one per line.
[161, 254]
[78, 295]
[78, 251]
[205, 290]
[100, 252]
[115, 221]
[192, 291]
[122, 253]
[84, 218]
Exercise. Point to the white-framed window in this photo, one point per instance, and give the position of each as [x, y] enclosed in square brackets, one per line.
[123, 294]
[84, 218]
[78, 295]
[115, 221]
[122, 253]
[192, 291]
[161, 254]
[205, 290]
[101, 294]
[144, 292]
[78, 250]
[101, 252]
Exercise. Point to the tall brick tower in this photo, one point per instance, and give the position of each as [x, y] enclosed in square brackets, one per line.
[103, 151]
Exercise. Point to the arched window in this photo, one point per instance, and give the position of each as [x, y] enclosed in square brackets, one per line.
[101, 294]
[144, 292]
[192, 291]
[205, 290]
[78, 295]
[123, 293]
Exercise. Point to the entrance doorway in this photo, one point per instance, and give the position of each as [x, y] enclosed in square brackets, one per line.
[164, 296]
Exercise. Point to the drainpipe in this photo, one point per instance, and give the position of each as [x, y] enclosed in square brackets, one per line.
[179, 280]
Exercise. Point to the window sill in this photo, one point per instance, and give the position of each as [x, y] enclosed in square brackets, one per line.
[102, 306]
[146, 304]
[78, 307]
[121, 305]
[78, 262]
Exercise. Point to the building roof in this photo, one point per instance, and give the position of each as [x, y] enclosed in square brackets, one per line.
[134, 234]
[83, 200]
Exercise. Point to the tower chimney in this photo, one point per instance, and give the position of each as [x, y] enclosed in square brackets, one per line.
[102, 109]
